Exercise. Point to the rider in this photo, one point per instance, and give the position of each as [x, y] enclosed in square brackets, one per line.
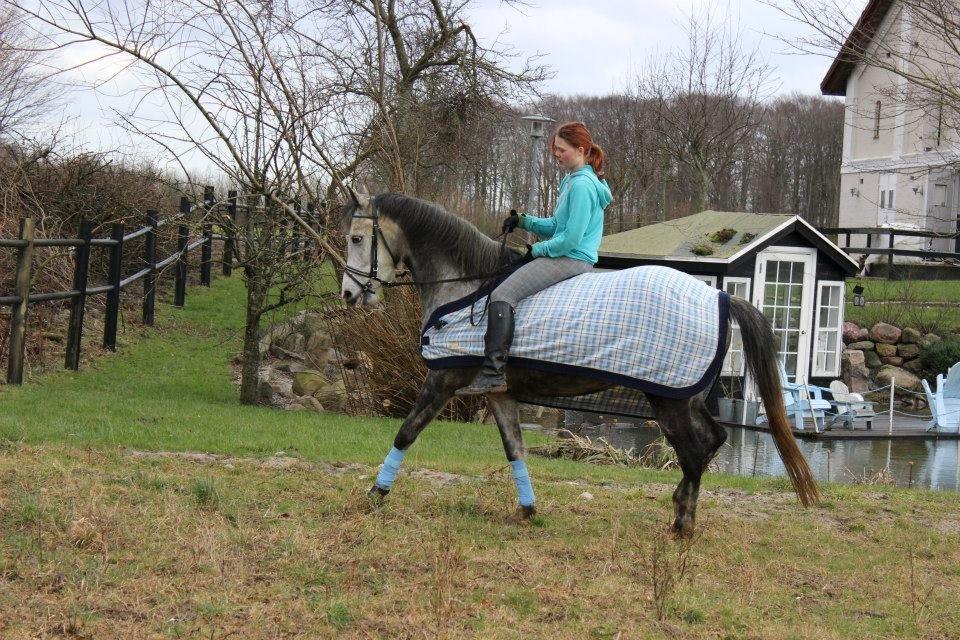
[571, 237]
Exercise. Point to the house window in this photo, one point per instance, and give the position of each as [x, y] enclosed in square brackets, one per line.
[876, 122]
[827, 341]
[733, 362]
[710, 281]
[887, 212]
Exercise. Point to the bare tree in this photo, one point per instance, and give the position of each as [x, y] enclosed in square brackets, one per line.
[23, 98]
[708, 100]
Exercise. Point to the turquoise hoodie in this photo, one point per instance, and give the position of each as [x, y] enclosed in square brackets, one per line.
[576, 226]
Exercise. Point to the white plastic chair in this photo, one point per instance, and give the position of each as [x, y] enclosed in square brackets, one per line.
[849, 406]
[945, 402]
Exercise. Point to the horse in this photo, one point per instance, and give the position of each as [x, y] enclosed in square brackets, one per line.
[448, 258]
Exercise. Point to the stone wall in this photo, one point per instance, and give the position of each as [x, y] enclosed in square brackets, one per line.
[873, 357]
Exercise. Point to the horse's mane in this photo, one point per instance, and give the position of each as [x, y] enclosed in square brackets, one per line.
[430, 227]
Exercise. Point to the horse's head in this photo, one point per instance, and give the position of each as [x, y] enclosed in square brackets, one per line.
[373, 243]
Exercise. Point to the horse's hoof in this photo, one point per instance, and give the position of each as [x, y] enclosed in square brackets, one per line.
[522, 514]
[377, 494]
[679, 531]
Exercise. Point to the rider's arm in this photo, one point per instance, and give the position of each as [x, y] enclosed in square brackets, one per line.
[542, 227]
[577, 212]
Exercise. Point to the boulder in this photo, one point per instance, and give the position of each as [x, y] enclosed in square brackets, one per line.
[886, 350]
[332, 395]
[863, 345]
[896, 361]
[903, 378]
[294, 343]
[886, 333]
[872, 359]
[851, 332]
[311, 403]
[313, 323]
[929, 339]
[317, 350]
[910, 336]
[854, 372]
[307, 383]
[913, 366]
[908, 351]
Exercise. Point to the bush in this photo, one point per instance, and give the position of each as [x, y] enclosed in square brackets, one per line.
[938, 357]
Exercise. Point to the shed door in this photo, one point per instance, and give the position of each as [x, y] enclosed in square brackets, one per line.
[784, 292]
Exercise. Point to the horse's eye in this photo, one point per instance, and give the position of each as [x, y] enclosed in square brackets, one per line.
[356, 239]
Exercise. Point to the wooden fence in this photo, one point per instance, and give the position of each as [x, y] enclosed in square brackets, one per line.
[80, 290]
[889, 249]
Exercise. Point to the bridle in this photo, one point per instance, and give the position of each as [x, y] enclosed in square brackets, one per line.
[376, 237]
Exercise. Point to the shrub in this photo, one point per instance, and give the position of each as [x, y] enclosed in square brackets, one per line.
[938, 357]
[702, 249]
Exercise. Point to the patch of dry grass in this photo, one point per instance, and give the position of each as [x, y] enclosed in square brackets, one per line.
[115, 545]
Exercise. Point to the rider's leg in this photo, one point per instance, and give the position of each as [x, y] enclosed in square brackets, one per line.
[525, 281]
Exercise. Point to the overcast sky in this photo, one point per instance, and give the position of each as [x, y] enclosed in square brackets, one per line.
[593, 47]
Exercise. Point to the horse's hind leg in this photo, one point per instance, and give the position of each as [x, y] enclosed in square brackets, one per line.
[506, 411]
[712, 432]
[677, 423]
[436, 391]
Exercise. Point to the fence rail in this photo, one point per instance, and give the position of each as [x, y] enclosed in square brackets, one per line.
[890, 251]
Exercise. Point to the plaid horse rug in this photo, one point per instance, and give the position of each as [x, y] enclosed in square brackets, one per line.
[646, 329]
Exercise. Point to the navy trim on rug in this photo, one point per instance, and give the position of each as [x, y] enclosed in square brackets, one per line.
[723, 308]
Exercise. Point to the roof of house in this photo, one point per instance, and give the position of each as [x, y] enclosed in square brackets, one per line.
[834, 83]
[680, 239]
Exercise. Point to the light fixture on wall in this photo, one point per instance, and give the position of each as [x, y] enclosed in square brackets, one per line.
[858, 300]
[917, 189]
[854, 191]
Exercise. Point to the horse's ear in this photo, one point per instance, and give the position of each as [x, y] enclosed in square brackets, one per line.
[360, 195]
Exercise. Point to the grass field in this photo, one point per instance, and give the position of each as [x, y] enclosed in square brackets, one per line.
[904, 303]
[106, 532]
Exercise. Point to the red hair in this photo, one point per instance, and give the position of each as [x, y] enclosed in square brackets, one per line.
[576, 135]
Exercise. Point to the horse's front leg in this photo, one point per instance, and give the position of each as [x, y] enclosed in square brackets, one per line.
[436, 391]
[506, 411]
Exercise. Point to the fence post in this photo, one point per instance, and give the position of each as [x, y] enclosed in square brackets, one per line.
[113, 296]
[150, 280]
[180, 285]
[229, 246]
[80, 271]
[890, 258]
[206, 249]
[18, 321]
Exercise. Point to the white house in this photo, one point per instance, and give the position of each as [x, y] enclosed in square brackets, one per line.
[899, 164]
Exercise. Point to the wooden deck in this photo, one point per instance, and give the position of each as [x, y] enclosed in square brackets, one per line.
[904, 428]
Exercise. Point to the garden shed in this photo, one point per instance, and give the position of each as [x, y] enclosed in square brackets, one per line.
[788, 269]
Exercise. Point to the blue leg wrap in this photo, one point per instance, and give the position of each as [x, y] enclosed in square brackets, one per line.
[388, 472]
[522, 479]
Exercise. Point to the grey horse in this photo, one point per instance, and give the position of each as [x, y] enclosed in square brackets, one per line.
[448, 258]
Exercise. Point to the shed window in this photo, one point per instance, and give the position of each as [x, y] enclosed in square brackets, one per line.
[828, 340]
[733, 362]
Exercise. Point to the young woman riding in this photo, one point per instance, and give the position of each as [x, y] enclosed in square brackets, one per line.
[568, 247]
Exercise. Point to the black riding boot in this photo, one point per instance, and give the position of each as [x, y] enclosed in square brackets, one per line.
[496, 346]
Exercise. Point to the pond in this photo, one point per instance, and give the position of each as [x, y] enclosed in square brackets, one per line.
[935, 464]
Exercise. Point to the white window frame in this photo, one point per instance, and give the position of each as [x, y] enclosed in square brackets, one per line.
[727, 370]
[833, 370]
[708, 280]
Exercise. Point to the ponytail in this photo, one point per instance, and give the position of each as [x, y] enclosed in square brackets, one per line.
[595, 159]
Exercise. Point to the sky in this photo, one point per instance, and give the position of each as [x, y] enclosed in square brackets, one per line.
[592, 47]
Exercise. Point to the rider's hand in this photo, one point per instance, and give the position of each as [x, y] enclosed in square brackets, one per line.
[512, 221]
[528, 256]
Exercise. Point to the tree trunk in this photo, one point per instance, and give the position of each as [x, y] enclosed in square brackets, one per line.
[250, 370]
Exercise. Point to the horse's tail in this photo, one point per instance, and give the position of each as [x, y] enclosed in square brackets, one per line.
[759, 346]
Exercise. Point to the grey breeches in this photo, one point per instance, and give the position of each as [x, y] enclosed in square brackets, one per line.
[537, 276]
